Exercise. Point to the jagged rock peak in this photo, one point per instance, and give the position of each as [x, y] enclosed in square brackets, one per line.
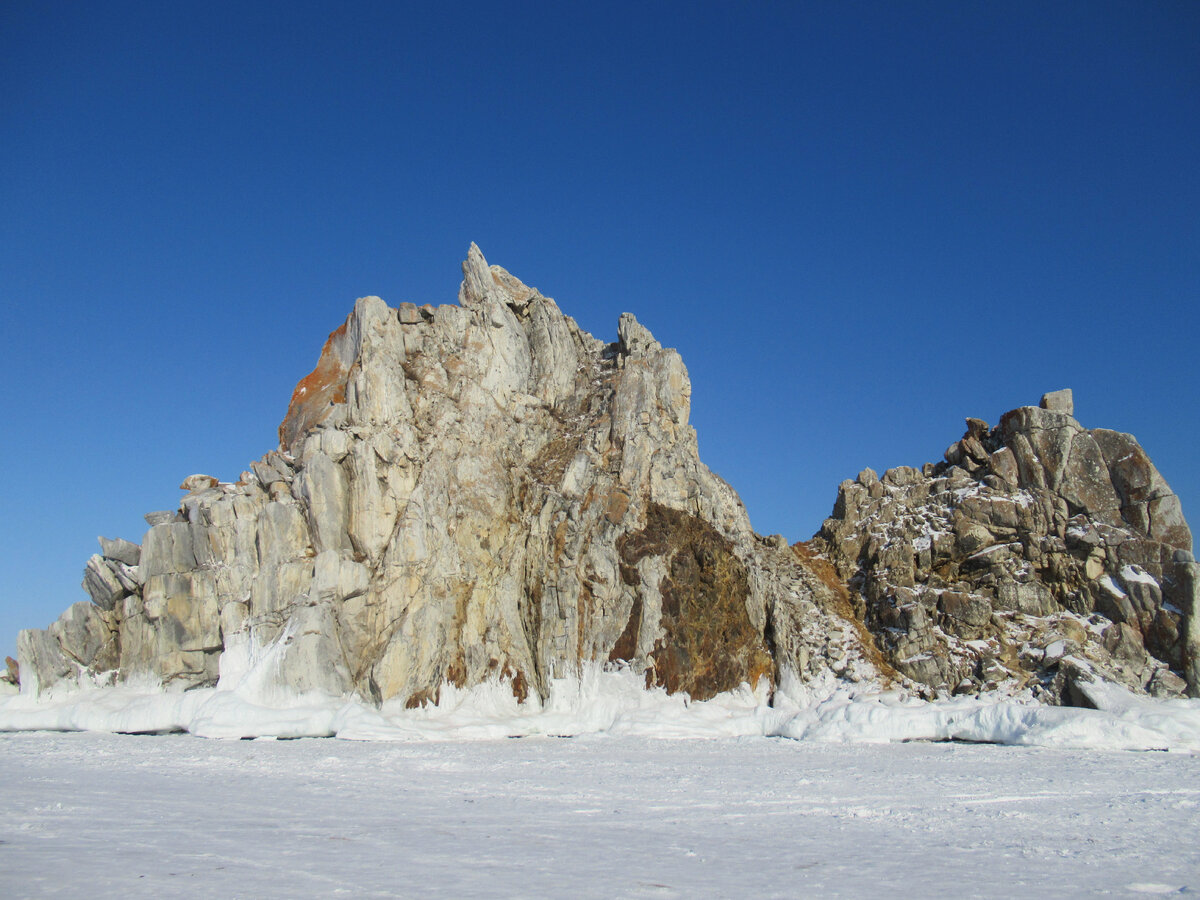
[477, 278]
[635, 338]
[483, 283]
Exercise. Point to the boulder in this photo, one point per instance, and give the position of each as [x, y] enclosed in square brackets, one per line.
[1059, 401]
[120, 550]
[198, 483]
[102, 583]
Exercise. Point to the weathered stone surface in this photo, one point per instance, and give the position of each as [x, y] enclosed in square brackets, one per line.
[84, 634]
[1032, 598]
[80, 644]
[320, 391]
[169, 547]
[321, 485]
[272, 469]
[42, 663]
[965, 614]
[635, 339]
[1189, 594]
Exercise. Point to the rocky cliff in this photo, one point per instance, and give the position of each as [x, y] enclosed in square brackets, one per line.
[485, 491]
[460, 493]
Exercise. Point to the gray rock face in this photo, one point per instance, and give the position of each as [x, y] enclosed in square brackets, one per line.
[1038, 551]
[465, 492]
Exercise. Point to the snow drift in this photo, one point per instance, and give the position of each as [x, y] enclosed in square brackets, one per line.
[246, 704]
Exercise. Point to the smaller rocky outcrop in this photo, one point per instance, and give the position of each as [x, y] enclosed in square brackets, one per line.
[1038, 554]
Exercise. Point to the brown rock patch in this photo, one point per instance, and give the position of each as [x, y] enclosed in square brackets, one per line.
[710, 645]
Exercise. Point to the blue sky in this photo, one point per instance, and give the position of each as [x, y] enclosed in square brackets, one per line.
[858, 222]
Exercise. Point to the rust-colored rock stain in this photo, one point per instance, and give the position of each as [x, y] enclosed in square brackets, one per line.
[316, 393]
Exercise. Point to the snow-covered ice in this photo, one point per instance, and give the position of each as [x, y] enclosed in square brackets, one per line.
[827, 790]
[101, 815]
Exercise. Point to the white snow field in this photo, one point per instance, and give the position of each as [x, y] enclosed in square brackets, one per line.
[102, 815]
[830, 791]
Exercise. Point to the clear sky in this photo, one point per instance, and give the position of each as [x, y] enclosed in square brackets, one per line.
[858, 222]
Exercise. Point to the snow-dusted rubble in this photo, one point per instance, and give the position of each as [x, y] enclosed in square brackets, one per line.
[1038, 557]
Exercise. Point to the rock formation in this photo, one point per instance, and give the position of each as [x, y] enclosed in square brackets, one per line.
[485, 491]
[477, 490]
[1039, 554]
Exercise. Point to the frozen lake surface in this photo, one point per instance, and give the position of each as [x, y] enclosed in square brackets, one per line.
[102, 815]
